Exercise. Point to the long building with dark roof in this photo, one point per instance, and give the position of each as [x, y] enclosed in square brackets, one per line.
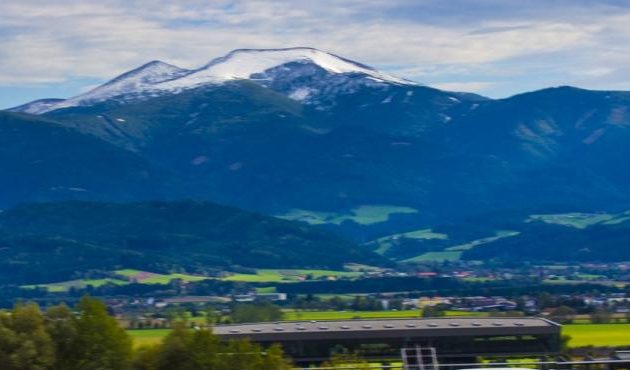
[455, 340]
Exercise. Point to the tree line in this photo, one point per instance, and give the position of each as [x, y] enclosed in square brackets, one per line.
[91, 339]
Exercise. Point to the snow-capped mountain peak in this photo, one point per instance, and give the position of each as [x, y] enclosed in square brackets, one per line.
[245, 63]
[158, 78]
[153, 72]
[38, 106]
[135, 81]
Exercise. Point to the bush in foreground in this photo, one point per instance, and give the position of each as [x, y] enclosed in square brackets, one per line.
[59, 339]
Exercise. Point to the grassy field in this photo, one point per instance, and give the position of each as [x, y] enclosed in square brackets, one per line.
[364, 215]
[145, 337]
[287, 276]
[454, 253]
[598, 334]
[384, 243]
[125, 276]
[582, 220]
[65, 286]
[144, 277]
[581, 334]
[499, 235]
[436, 256]
[562, 281]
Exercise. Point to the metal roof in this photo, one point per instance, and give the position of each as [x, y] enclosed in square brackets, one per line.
[416, 327]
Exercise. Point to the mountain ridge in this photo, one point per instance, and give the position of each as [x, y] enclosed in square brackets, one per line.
[299, 140]
[157, 77]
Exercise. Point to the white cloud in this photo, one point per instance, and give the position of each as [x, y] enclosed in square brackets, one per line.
[44, 42]
[594, 72]
[470, 86]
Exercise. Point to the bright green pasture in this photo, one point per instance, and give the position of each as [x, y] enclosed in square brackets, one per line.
[290, 275]
[499, 235]
[436, 257]
[580, 220]
[454, 253]
[602, 335]
[65, 286]
[144, 277]
[127, 276]
[417, 234]
[385, 242]
[143, 337]
[364, 215]
[124, 277]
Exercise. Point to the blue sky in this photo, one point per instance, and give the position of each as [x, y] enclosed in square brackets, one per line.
[493, 47]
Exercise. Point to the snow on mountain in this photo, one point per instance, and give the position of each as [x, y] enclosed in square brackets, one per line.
[158, 78]
[244, 63]
[133, 82]
[38, 106]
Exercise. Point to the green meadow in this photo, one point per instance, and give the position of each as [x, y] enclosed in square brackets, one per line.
[289, 275]
[385, 243]
[364, 215]
[602, 335]
[65, 286]
[144, 277]
[147, 337]
[123, 277]
[127, 276]
[580, 220]
[454, 253]
[436, 257]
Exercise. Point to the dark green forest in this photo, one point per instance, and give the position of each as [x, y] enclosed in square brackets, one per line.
[54, 241]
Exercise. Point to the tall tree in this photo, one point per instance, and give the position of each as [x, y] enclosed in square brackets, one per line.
[563, 315]
[147, 358]
[101, 343]
[175, 352]
[274, 359]
[242, 355]
[257, 312]
[61, 325]
[205, 347]
[24, 342]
